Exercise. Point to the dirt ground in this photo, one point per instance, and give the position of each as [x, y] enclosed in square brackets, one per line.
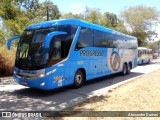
[141, 94]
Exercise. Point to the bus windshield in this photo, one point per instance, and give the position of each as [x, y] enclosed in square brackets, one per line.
[31, 54]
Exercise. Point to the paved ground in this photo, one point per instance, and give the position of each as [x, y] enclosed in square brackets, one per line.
[16, 97]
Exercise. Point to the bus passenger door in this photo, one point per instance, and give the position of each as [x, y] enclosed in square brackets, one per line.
[67, 70]
[61, 76]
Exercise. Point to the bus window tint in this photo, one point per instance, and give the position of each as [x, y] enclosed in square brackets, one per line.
[60, 44]
[99, 39]
[85, 38]
[111, 40]
[57, 50]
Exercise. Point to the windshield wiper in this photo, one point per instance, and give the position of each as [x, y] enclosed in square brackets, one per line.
[21, 59]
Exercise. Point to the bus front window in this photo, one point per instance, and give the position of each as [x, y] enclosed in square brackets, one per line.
[31, 53]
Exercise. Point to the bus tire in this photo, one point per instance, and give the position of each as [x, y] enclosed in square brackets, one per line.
[129, 68]
[124, 72]
[142, 62]
[78, 79]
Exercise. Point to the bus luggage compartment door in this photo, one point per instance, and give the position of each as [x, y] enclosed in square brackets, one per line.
[95, 67]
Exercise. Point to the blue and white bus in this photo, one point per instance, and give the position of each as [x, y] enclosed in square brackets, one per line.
[65, 52]
[144, 55]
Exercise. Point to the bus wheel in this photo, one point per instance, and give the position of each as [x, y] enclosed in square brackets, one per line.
[124, 72]
[129, 68]
[142, 62]
[78, 79]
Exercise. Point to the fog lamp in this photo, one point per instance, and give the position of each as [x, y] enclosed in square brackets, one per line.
[42, 84]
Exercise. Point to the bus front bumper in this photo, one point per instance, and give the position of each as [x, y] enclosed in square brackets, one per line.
[43, 83]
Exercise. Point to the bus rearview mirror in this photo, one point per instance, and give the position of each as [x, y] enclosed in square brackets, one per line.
[49, 37]
[10, 41]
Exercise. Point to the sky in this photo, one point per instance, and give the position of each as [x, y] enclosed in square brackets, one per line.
[113, 6]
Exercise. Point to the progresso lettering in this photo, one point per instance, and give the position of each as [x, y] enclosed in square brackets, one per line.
[91, 52]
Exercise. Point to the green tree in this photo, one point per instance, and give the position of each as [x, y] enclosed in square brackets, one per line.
[14, 20]
[2, 37]
[37, 12]
[40, 13]
[112, 18]
[71, 15]
[92, 15]
[153, 46]
[54, 12]
[113, 22]
[17, 14]
[9, 10]
[109, 20]
[28, 5]
[141, 19]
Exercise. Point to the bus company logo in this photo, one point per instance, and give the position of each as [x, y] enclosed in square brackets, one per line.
[115, 61]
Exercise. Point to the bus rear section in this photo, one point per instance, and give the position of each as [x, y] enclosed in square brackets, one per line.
[66, 52]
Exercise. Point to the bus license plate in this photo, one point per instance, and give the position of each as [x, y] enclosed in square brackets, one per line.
[24, 83]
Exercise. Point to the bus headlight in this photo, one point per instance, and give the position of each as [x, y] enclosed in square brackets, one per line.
[45, 74]
[41, 75]
[14, 72]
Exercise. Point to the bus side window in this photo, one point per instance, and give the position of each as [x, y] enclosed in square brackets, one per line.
[85, 38]
[99, 39]
[140, 54]
[109, 40]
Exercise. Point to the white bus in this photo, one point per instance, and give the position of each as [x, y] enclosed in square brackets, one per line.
[144, 55]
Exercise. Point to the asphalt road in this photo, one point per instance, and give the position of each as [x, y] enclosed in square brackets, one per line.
[16, 97]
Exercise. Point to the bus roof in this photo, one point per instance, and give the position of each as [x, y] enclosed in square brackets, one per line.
[143, 48]
[77, 22]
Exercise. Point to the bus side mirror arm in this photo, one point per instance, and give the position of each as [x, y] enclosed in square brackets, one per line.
[10, 41]
[49, 37]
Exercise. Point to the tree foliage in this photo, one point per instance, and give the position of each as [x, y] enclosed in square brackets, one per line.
[141, 19]
[17, 14]
[109, 20]
[71, 15]
[52, 9]
[114, 22]
[92, 15]
[9, 10]
[153, 46]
